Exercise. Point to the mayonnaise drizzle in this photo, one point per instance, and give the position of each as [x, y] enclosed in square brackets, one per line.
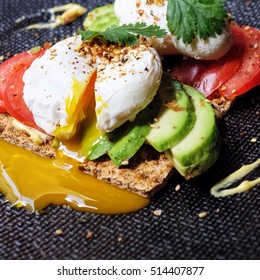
[220, 189]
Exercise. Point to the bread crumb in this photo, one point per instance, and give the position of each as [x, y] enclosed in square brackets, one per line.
[253, 140]
[1, 57]
[89, 234]
[157, 212]
[58, 231]
[178, 187]
[202, 214]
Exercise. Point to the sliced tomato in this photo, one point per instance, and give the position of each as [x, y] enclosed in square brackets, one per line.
[248, 74]
[14, 102]
[221, 70]
[187, 70]
[233, 74]
[2, 107]
[12, 65]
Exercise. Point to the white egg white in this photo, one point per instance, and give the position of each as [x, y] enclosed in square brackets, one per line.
[143, 11]
[125, 87]
[54, 85]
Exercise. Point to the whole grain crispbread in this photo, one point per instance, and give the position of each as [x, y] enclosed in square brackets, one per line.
[146, 172]
[21, 138]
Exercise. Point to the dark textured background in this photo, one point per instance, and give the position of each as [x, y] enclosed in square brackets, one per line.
[230, 231]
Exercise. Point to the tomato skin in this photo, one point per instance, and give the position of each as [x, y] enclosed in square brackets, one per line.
[13, 99]
[2, 107]
[248, 74]
[12, 65]
[11, 85]
[219, 71]
[233, 74]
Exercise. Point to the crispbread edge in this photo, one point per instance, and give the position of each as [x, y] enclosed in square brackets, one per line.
[147, 171]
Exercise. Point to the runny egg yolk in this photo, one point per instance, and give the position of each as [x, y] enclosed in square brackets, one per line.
[76, 106]
[35, 182]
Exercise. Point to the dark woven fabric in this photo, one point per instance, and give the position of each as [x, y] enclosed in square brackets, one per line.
[230, 231]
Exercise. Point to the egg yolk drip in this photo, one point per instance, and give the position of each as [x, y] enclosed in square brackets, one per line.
[76, 106]
[82, 142]
[35, 182]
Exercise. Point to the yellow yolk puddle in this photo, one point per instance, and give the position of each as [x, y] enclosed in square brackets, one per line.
[29, 180]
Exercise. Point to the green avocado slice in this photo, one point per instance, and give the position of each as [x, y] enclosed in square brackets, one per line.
[201, 147]
[176, 116]
[101, 18]
[122, 143]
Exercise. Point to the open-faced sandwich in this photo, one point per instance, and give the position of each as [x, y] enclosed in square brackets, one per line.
[115, 100]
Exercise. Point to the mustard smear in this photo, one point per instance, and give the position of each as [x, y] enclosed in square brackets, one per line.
[70, 11]
[220, 189]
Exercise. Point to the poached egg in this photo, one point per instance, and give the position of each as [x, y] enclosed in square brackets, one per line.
[154, 13]
[56, 87]
[126, 85]
[59, 86]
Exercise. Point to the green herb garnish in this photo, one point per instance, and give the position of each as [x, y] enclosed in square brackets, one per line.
[188, 19]
[125, 34]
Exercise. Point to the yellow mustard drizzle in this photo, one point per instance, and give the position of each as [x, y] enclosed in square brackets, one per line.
[70, 11]
[220, 189]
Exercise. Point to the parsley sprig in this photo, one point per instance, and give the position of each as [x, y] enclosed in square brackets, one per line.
[188, 19]
[125, 34]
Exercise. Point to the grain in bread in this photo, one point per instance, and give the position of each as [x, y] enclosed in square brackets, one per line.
[146, 172]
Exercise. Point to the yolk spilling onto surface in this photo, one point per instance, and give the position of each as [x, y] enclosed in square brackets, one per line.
[35, 182]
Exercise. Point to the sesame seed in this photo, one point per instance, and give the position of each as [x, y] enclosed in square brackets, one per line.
[58, 231]
[157, 212]
[202, 214]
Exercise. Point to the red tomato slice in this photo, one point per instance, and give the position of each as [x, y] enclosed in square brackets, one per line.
[234, 74]
[2, 107]
[12, 65]
[248, 74]
[220, 71]
[187, 70]
[13, 99]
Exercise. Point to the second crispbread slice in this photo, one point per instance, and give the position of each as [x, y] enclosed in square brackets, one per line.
[146, 173]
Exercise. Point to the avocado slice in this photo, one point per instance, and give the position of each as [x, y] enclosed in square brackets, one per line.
[176, 116]
[201, 147]
[101, 18]
[134, 136]
[122, 143]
